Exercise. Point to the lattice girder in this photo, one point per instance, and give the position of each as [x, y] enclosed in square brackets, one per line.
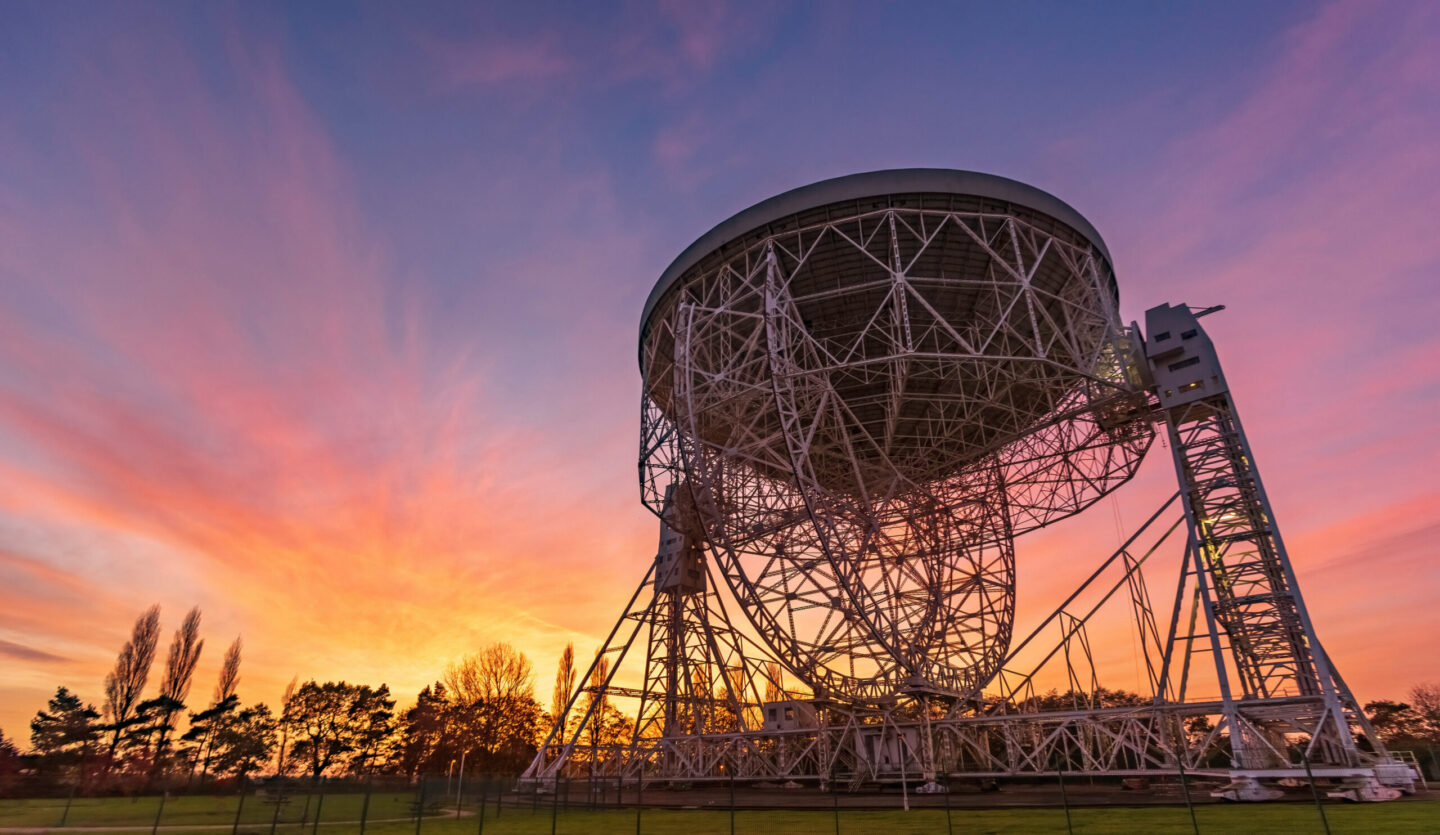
[863, 437]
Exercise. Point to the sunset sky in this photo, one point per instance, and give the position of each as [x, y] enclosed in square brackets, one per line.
[323, 317]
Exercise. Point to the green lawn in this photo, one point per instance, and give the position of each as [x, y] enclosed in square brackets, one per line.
[112, 811]
[1417, 816]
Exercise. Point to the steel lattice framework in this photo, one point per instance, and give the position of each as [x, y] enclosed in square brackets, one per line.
[864, 404]
[856, 396]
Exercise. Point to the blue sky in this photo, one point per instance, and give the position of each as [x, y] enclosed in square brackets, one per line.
[308, 306]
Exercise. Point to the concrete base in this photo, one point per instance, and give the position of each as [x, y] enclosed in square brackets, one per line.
[1397, 775]
[1246, 789]
[1363, 790]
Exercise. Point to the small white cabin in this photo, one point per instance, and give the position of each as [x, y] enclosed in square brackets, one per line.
[790, 715]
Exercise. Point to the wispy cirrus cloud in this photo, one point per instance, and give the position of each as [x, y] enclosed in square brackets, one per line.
[20, 652]
[211, 363]
[492, 62]
[1306, 207]
[223, 381]
[667, 45]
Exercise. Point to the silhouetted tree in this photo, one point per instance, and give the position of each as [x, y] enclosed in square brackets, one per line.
[9, 766]
[63, 736]
[222, 706]
[499, 733]
[242, 746]
[229, 674]
[126, 682]
[564, 685]
[426, 738]
[491, 710]
[203, 728]
[1396, 723]
[749, 712]
[607, 725]
[483, 712]
[707, 711]
[136, 752]
[373, 729]
[496, 673]
[180, 664]
[774, 682]
[596, 698]
[339, 724]
[282, 766]
[1080, 700]
[1426, 699]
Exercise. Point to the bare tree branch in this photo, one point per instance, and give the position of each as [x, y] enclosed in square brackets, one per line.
[125, 684]
[229, 674]
[498, 671]
[180, 663]
[564, 684]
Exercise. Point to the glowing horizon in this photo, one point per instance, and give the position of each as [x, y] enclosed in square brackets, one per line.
[326, 324]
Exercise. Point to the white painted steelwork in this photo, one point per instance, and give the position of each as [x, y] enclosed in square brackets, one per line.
[864, 393]
[857, 394]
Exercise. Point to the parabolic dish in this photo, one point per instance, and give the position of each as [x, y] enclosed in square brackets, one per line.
[867, 387]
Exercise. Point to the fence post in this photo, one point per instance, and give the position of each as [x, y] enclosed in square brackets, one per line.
[420, 807]
[365, 806]
[1314, 791]
[949, 827]
[275, 819]
[1065, 798]
[554, 804]
[239, 807]
[1185, 786]
[732, 802]
[835, 802]
[158, 812]
[639, 796]
[319, 807]
[484, 801]
[66, 814]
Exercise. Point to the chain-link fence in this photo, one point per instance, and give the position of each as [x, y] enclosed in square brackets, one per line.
[497, 804]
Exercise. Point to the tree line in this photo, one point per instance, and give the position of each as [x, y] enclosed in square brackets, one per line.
[482, 712]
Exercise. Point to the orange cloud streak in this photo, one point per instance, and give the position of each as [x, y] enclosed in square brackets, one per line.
[215, 395]
[234, 413]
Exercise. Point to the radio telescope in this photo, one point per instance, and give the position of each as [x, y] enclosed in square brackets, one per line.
[863, 390]
[856, 396]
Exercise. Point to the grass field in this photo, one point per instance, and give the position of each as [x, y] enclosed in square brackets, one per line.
[1407, 816]
[207, 810]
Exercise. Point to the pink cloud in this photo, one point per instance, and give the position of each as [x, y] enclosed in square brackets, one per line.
[706, 30]
[494, 62]
[224, 401]
[1307, 208]
[233, 399]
